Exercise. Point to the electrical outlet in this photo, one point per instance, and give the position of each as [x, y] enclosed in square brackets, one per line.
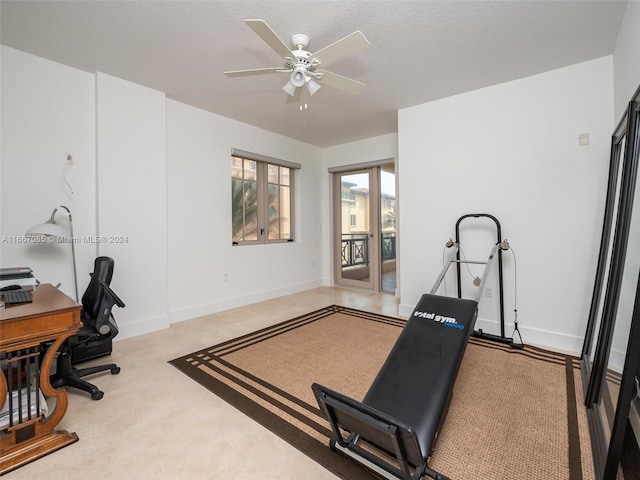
[68, 158]
[488, 291]
[225, 277]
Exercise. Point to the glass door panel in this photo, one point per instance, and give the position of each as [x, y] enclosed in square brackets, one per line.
[354, 245]
[388, 227]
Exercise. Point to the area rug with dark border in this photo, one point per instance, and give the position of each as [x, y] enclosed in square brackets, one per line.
[515, 414]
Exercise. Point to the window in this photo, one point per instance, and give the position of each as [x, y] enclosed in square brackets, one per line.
[262, 193]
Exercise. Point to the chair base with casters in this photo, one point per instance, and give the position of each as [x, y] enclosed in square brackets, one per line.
[68, 375]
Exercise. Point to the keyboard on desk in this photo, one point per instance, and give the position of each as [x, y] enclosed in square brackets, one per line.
[12, 297]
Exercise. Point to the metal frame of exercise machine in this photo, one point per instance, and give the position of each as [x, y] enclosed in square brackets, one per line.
[499, 246]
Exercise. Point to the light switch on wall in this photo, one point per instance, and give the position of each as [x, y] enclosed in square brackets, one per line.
[583, 139]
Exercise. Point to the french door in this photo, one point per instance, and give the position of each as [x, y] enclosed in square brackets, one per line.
[364, 228]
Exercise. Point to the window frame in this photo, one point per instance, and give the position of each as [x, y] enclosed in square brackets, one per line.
[262, 189]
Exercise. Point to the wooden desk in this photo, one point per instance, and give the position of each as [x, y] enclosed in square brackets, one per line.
[27, 435]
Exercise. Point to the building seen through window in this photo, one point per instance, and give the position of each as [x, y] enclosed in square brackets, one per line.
[261, 201]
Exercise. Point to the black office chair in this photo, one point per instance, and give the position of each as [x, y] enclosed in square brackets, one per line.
[94, 339]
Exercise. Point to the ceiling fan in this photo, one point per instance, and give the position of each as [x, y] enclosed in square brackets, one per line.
[304, 68]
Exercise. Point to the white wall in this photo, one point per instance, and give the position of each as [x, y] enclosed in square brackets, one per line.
[373, 149]
[626, 58]
[47, 110]
[511, 150]
[199, 147]
[368, 150]
[152, 176]
[132, 199]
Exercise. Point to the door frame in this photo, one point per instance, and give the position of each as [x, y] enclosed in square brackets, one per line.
[337, 230]
[374, 228]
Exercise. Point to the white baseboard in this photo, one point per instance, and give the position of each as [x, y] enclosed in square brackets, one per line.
[556, 341]
[128, 330]
[562, 342]
[405, 311]
[189, 313]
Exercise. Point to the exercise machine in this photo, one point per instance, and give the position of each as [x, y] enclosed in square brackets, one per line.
[394, 429]
[500, 246]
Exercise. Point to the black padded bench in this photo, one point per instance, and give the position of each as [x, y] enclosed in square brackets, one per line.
[407, 403]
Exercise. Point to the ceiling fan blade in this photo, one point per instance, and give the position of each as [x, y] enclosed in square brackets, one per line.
[270, 38]
[255, 71]
[348, 85]
[343, 48]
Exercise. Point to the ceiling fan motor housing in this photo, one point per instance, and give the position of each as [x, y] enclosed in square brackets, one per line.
[300, 41]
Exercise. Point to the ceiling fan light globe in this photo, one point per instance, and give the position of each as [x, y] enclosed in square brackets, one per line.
[312, 86]
[290, 88]
[298, 77]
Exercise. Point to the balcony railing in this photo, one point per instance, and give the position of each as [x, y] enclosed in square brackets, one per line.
[388, 246]
[355, 248]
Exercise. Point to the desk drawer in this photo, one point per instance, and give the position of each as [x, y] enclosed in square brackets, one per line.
[37, 328]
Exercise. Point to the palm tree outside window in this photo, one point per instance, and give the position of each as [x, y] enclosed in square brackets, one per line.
[262, 196]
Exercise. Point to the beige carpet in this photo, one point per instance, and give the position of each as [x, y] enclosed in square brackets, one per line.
[514, 414]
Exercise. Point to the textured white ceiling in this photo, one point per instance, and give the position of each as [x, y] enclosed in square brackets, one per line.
[420, 51]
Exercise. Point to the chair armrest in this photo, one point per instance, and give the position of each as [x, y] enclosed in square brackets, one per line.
[104, 323]
[112, 294]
